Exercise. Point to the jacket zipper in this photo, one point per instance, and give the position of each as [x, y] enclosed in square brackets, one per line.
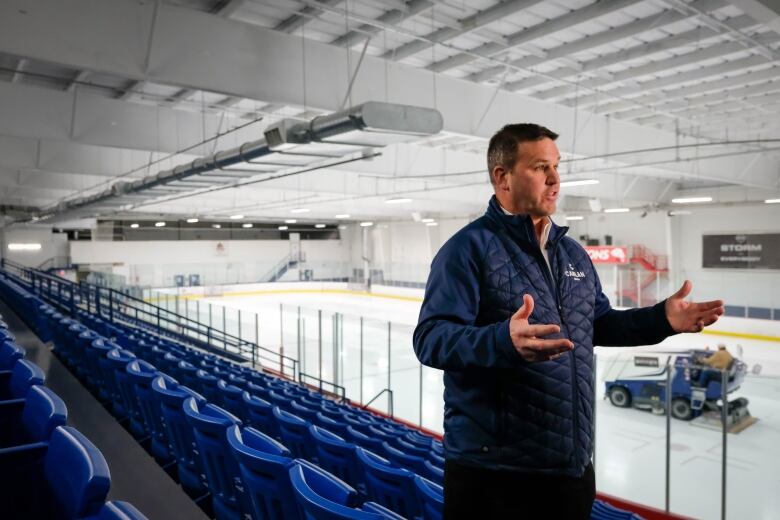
[575, 393]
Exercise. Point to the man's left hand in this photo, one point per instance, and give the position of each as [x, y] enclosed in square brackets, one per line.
[690, 316]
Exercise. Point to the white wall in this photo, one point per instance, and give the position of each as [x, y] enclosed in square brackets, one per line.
[755, 287]
[53, 245]
[156, 262]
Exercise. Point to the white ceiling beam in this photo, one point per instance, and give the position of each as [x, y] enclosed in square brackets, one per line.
[702, 73]
[395, 16]
[677, 106]
[467, 25]
[695, 37]
[75, 80]
[663, 65]
[613, 34]
[692, 90]
[226, 8]
[294, 22]
[21, 63]
[766, 12]
[760, 103]
[544, 29]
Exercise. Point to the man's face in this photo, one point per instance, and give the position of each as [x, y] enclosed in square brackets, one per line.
[533, 184]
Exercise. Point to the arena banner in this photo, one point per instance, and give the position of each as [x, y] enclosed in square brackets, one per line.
[607, 254]
[749, 251]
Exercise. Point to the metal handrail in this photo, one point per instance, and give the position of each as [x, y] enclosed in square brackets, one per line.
[390, 408]
[338, 390]
[119, 303]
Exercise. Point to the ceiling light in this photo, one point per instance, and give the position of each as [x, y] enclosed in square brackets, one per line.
[691, 200]
[216, 226]
[236, 217]
[343, 215]
[300, 210]
[342, 226]
[575, 217]
[401, 200]
[247, 225]
[192, 220]
[24, 247]
[159, 224]
[617, 210]
[772, 201]
[427, 220]
[676, 212]
[431, 223]
[319, 226]
[283, 228]
[584, 182]
[290, 221]
[134, 225]
[366, 224]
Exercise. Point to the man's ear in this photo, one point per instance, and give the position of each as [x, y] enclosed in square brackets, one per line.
[499, 176]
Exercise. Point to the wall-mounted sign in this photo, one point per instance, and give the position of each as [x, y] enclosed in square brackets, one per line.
[755, 251]
[607, 254]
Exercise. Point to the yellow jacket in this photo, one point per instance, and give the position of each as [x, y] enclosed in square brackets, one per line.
[721, 359]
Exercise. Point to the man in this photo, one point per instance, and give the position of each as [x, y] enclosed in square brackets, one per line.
[720, 360]
[512, 310]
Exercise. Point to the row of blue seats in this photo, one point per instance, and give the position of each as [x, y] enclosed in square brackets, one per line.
[158, 409]
[47, 469]
[344, 441]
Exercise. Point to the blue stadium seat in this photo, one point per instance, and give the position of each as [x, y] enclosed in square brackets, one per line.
[322, 496]
[136, 372]
[604, 511]
[170, 397]
[259, 414]
[223, 477]
[431, 498]
[279, 399]
[79, 354]
[304, 412]
[363, 440]
[118, 510]
[113, 365]
[66, 478]
[32, 419]
[10, 353]
[141, 375]
[338, 457]
[230, 399]
[332, 425]
[433, 472]
[264, 465]
[294, 433]
[436, 458]
[207, 386]
[14, 384]
[411, 448]
[388, 485]
[97, 351]
[185, 374]
[373, 507]
[410, 462]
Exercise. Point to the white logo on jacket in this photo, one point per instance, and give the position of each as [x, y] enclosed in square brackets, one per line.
[573, 273]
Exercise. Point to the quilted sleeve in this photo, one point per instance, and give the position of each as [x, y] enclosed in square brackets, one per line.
[446, 337]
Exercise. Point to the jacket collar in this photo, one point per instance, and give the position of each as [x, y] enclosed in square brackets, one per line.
[521, 227]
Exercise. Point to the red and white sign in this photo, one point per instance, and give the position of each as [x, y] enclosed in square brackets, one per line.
[607, 254]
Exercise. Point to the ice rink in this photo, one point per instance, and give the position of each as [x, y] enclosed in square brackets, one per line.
[348, 338]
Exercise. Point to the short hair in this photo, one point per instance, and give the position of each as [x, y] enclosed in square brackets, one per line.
[502, 150]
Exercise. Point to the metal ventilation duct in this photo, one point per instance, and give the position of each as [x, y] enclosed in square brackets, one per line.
[285, 144]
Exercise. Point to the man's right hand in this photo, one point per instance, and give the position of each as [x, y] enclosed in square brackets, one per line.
[527, 338]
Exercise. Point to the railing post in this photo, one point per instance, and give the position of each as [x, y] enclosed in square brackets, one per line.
[111, 305]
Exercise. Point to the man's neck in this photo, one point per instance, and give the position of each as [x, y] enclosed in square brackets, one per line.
[539, 223]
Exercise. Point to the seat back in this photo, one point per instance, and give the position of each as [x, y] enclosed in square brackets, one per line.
[10, 353]
[411, 448]
[43, 412]
[431, 498]
[332, 425]
[171, 396]
[185, 374]
[433, 472]
[294, 433]
[207, 386]
[118, 510]
[322, 496]
[390, 486]
[76, 473]
[96, 351]
[230, 398]
[361, 439]
[304, 412]
[113, 370]
[259, 414]
[336, 456]
[264, 465]
[223, 477]
[24, 375]
[410, 462]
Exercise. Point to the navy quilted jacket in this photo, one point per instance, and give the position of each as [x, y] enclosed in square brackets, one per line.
[500, 411]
